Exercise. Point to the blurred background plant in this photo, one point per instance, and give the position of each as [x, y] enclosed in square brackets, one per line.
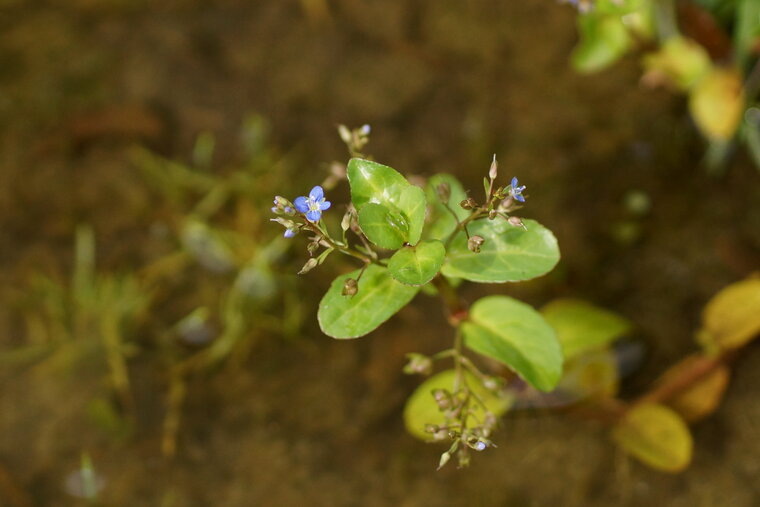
[706, 49]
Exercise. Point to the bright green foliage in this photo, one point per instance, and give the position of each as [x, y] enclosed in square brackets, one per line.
[442, 222]
[396, 211]
[379, 296]
[421, 408]
[509, 254]
[383, 227]
[582, 327]
[655, 435]
[417, 265]
[517, 335]
[373, 182]
[603, 41]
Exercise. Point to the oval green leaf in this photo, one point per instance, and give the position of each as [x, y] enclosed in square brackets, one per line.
[421, 409]
[417, 265]
[374, 183]
[582, 327]
[383, 227]
[656, 436]
[379, 296]
[509, 254]
[515, 334]
[442, 222]
[732, 317]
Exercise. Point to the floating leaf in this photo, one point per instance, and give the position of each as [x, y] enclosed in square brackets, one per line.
[509, 254]
[383, 227]
[421, 408]
[442, 222]
[703, 396]
[582, 327]
[374, 183]
[515, 334]
[417, 265]
[732, 317]
[379, 297]
[656, 436]
[717, 103]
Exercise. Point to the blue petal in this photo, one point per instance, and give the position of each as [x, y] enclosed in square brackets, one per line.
[317, 193]
[274, 209]
[325, 205]
[514, 182]
[289, 233]
[301, 204]
[520, 198]
[313, 216]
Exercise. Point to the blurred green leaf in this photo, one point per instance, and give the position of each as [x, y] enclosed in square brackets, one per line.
[604, 39]
[442, 222]
[515, 334]
[656, 436]
[509, 254]
[421, 408]
[702, 397]
[379, 296]
[680, 61]
[582, 327]
[417, 265]
[593, 374]
[746, 30]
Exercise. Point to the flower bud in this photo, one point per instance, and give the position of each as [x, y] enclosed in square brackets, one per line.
[310, 264]
[442, 398]
[492, 214]
[474, 243]
[346, 222]
[418, 364]
[345, 133]
[445, 457]
[468, 203]
[444, 192]
[516, 222]
[494, 169]
[350, 287]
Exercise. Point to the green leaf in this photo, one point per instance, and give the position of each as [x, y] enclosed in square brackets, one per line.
[421, 409]
[374, 183]
[515, 334]
[412, 204]
[379, 297]
[656, 436]
[417, 265]
[383, 227]
[604, 39]
[442, 222]
[746, 29]
[731, 319]
[509, 254]
[582, 327]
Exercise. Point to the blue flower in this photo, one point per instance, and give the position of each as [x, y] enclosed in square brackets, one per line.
[314, 205]
[289, 233]
[516, 191]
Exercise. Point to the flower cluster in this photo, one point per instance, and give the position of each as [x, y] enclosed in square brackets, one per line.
[311, 207]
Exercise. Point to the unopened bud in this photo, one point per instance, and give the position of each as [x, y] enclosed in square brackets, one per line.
[445, 457]
[344, 133]
[418, 364]
[516, 222]
[346, 222]
[474, 243]
[492, 214]
[444, 192]
[350, 287]
[469, 203]
[442, 398]
[365, 129]
[310, 264]
[494, 169]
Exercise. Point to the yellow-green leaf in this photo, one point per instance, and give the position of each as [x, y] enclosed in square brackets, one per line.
[656, 436]
[732, 317]
[717, 103]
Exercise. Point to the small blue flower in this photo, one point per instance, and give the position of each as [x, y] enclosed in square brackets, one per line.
[516, 191]
[314, 205]
[289, 233]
